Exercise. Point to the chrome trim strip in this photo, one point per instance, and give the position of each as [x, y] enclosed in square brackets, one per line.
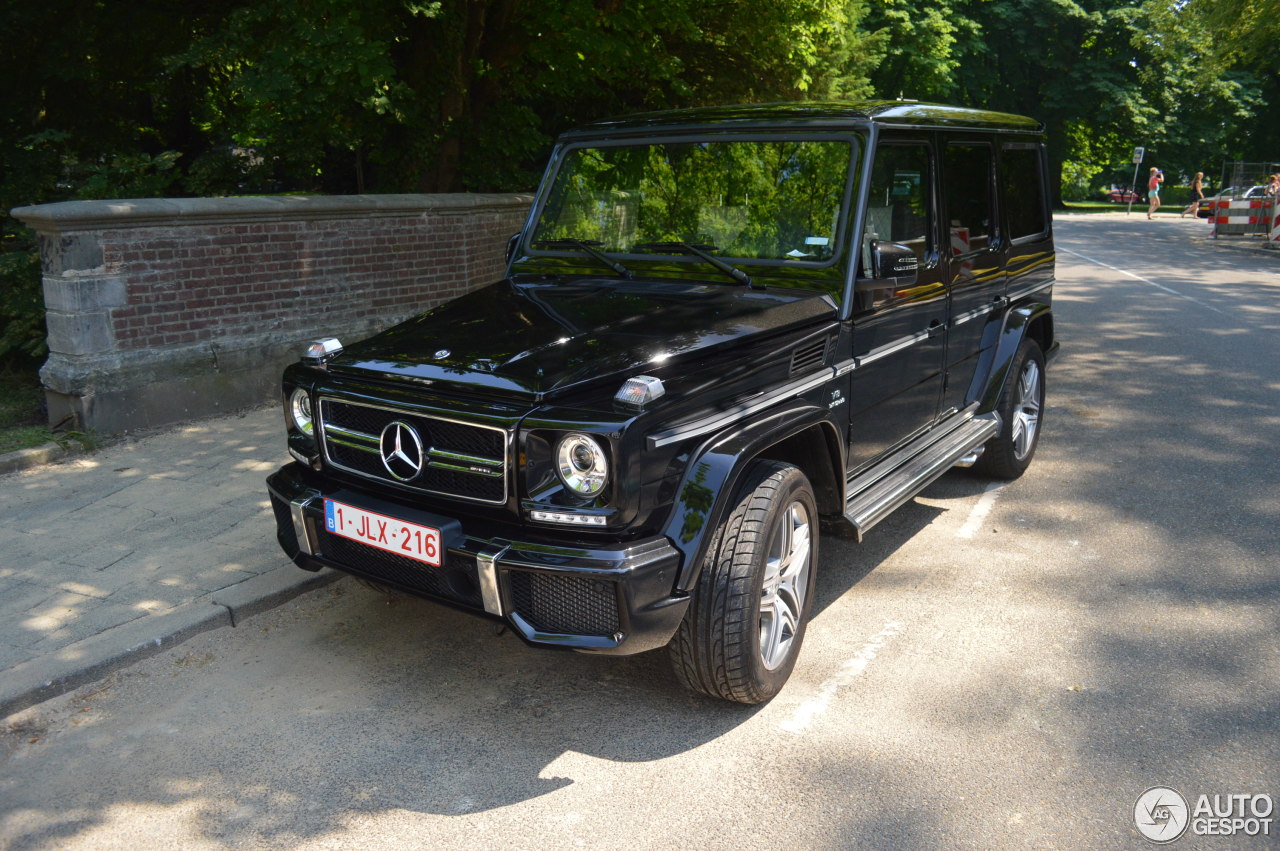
[845, 367]
[363, 447]
[297, 507]
[487, 574]
[458, 468]
[1030, 291]
[891, 348]
[470, 459]
[972, 314]
[352, 433]
[504, 462]
[717, 421]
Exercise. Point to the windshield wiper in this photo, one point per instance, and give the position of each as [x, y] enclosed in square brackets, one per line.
[699, 251]
[590, 246]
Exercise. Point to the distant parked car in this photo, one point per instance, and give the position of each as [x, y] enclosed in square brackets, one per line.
[1204, 210]
[1123, 196]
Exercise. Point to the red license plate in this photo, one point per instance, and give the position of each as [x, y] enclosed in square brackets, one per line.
[386, 533]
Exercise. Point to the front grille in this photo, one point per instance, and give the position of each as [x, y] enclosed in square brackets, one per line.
[567, 605]
[460, 460]
[285, 533]
[454, 580]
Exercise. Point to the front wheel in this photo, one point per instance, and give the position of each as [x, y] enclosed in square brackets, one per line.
[743, 629]
[1021, 409]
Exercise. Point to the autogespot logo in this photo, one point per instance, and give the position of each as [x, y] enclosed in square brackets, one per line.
[1160, 814]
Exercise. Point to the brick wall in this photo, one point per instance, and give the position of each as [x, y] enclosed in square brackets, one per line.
[163, 310]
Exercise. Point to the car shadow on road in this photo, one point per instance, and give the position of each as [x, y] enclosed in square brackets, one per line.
[352, 702]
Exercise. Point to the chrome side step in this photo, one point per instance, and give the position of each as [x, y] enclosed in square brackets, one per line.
[875, 493]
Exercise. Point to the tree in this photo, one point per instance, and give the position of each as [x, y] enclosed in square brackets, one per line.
[922, 46]
[1073, 63]
[468, 94]
[1223, 63]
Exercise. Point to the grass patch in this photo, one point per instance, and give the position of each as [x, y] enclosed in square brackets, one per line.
[22, 412]
[1101, 206]
[14, 438]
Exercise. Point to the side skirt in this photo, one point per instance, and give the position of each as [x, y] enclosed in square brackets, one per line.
[873, 494]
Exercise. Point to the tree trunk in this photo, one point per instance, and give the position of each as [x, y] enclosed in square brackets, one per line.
[1056, 148]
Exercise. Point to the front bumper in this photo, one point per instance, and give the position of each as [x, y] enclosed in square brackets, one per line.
[612, 599]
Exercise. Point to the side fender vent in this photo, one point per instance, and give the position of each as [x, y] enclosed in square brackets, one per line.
[809, 357]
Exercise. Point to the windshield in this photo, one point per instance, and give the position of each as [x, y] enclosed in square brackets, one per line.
[750, 200]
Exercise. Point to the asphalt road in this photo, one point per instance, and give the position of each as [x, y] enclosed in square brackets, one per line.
[995, 667]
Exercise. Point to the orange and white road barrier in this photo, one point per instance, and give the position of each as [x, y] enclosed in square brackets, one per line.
[1241, 215]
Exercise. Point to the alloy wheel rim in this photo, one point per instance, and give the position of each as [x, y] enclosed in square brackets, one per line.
[1026, 410]
[785, 586]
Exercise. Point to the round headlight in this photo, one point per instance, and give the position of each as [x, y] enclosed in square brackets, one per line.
[582, 465]
[300, 410]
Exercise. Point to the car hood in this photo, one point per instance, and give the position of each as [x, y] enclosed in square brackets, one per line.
[539, 337]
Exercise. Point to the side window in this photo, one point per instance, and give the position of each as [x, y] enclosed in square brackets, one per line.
[1022, 187]
[968, 170]
[898, 206]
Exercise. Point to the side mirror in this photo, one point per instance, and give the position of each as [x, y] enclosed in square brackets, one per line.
[893, 266]
[511, 246]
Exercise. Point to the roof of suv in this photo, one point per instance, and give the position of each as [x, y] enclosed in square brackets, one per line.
[814, 115]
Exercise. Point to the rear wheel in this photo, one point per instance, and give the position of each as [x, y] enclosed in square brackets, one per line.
[1021, 409]
[741, 635]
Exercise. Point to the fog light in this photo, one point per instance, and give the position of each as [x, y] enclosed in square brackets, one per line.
[568, 519]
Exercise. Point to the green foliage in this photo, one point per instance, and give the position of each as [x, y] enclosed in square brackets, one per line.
[291, 79]
[43, 167]
[403, 96]
[922, 46]
[21, 300]
[202, 97]
[21, 411]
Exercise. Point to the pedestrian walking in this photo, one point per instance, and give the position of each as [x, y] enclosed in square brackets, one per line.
[1153, 190]
[1197, 189]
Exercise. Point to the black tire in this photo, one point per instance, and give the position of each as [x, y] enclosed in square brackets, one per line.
[736, 641]
[1021, 410]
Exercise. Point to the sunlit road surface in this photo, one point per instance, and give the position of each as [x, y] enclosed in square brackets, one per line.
[995, 667]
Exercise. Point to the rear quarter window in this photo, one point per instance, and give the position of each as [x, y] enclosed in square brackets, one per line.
[1022, 187]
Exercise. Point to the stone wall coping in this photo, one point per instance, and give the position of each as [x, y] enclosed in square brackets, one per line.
[70, 216]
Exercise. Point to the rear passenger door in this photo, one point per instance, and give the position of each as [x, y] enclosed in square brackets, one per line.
[975, 254]
[898, 334]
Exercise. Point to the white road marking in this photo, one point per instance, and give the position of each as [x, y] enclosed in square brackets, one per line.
[809, 710]
[980, 511]
[1144, 280]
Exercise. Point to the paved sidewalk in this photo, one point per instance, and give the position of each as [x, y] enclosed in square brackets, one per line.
[109, 557]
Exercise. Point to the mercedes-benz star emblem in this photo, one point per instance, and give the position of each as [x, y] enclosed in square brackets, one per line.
[401, 450]
[443, 353]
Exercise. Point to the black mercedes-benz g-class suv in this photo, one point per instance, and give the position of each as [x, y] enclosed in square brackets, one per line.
[719, 327]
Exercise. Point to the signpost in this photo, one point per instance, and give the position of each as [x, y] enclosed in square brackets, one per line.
[1137, 161]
